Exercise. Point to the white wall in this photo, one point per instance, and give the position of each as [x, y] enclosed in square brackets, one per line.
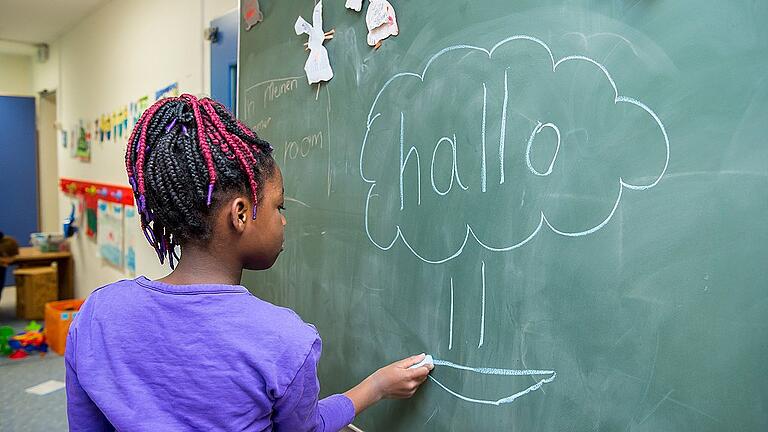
[45, 75]
[125, 50]
[47, 165]
[15, 75]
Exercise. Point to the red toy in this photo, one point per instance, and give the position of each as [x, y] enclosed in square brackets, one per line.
[26, 343]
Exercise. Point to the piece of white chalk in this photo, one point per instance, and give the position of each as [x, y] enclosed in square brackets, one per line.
[427, 361]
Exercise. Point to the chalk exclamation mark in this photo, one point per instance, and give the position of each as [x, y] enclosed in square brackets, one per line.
[482, 314]
[450, 330]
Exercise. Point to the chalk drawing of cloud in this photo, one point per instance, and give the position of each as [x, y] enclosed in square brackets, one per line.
[369, 162]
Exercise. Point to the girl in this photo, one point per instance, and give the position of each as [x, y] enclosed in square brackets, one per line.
[195, 350]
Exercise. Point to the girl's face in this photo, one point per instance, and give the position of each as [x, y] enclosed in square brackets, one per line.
[265, 235]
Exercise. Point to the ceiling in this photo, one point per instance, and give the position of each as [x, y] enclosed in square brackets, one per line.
[42, 21]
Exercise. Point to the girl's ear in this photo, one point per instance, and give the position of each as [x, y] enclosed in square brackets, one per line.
[238, 212]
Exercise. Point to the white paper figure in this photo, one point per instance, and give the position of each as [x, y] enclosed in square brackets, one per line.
[355, 5]
[317, 67]
[381, 21]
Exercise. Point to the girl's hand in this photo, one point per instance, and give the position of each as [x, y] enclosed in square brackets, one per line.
[394, 381]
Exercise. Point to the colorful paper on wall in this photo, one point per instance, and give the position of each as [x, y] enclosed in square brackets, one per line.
[83, 151]
[91, 220]
[122, 121]
[135, 110]
[113, 126]
[130, 231]
[73, 135]
[167, 91]
[79, 202]
[105, 127]
[90, 134]
[143, 104]
[110, 234]
[133, 114]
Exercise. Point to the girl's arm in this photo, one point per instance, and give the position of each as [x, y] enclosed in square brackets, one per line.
[82, 413]
[395, 381]
[298, 408]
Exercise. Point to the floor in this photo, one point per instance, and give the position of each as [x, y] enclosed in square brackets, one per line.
[19, 410]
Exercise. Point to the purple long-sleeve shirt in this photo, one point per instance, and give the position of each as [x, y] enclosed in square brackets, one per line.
[144, 355]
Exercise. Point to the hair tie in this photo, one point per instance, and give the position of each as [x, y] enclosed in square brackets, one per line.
[142, 203]
[171, 125]
[149, 234]
[210, 193]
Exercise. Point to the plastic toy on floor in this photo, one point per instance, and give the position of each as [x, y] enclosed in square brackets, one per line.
[33, 326]
[5, 334]
[24, 344]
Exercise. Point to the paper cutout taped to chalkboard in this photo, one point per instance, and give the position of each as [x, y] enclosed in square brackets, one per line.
[317, 67]
[381, 22]
[355, 5]
[252, 13]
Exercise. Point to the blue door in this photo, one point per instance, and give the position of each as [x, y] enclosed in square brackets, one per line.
[224, 60]
[18, 169]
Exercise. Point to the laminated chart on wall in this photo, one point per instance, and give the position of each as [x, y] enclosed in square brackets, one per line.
[131, 231]
[89, 194]
[110, 233]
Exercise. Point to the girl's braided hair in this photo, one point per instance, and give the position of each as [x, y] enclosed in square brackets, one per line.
[185, 157]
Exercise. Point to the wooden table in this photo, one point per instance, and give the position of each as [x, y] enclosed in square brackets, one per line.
[31, 256]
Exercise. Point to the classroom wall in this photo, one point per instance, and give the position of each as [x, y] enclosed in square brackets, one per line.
[47, 165]
[119, 53]
[45, 75]
[15, 75]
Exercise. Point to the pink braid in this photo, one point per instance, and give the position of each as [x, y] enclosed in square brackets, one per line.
[143, 141]
[233, 139]
[237, 146]
[204, 147]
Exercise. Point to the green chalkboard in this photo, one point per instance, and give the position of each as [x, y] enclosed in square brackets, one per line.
[563, 201]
